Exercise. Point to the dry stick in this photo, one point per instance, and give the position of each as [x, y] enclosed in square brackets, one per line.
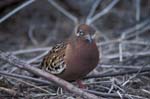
[37, 87]
[65, 12]
[54, 30]
[119, 67]
[128, 54]
[120, 73]
[138, 9]
[16, 10]
[132, 31]
[9, 91]
[120, 51]
[111, 95]
[37, 57]
[23, 65]
[138, 13]
[24, 77]
[23, 51]
[30, 34]
[108, 95]
[103, 12]
[92, 11]
[146, 91]
[138, 42]
[132, 77]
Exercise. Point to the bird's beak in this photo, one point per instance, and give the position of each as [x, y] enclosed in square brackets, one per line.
[89, 38]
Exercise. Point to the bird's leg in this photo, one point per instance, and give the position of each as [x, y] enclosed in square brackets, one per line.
[81, 85]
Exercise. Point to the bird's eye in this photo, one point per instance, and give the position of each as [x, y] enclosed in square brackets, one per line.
[80, 33]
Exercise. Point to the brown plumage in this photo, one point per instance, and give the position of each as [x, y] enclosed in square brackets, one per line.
[73, 59]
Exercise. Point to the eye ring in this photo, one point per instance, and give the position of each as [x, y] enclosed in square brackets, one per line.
[81, 33]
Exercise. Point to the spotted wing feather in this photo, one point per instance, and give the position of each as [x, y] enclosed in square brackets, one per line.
[53, 62]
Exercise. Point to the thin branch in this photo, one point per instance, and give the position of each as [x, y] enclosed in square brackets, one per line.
[49, 36]
[136, 97]
[30, 34]
[138, 9]
[37, 87]
[107, 95]
[16, 10]
[112, 85]
[62, 10]
[121, 48]
[137, 15]
[130, 32]
[23, 65]
[24, 77]
[119, 73]
[93, 9]
[103, 12]
[24, 51]
[138, 42]
[127, 54]
[120, 52]
[119, 67]
[132, 77]
[37, 57]
[141, 25]
[9, 91]
[120, 95]
[146, 91]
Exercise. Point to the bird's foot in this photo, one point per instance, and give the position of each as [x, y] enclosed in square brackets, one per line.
[81, 85]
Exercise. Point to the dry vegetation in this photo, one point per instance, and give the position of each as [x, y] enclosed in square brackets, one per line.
[28, 29]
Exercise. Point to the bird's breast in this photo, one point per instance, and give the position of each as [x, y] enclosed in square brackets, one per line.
[82, 54]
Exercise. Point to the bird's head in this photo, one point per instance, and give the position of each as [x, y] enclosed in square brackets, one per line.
[85, 32]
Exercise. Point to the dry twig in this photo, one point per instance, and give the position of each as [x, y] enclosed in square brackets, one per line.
[65, 12]
[16, 10]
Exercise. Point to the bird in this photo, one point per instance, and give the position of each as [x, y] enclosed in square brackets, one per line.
[74, 58]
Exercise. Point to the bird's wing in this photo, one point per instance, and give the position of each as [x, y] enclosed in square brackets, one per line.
[53, 62]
